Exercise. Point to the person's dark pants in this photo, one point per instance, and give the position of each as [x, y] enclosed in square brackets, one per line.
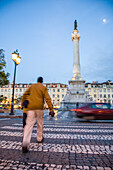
[24, 119]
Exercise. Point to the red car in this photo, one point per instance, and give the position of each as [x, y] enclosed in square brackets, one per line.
[98, 111]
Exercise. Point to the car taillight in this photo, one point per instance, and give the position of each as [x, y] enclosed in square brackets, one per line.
[76, 110]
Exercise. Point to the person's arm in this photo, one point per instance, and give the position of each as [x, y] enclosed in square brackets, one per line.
[48, 100]
[24, 97]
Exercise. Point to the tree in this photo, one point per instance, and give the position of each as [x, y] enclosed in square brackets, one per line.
[1, 98]
[3, 76]
[18, 100]
[5, 99]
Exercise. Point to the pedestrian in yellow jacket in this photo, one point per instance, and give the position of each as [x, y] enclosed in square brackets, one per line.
[38, 94]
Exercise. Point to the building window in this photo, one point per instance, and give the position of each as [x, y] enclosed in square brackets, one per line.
[62, 90]
[58, 85]
[2, 90]
[53, 90]
[58, 90]
[62, 95]
[58, 95]
[89, 90]
[104, 90]
[89, 85]
[100, 95]
[108, 90]
[109, 101]
[108, 95]
[16, 90]
[104, 95]
[20, 90]
[94, 90]
[94, 95]
[100, 90]
[9, 90]
[5, 90]
[112, 95]
[53, 95]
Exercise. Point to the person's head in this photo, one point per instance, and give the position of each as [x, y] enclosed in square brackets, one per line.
[40, 79]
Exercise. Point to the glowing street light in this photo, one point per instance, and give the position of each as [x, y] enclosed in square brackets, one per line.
[16, 59]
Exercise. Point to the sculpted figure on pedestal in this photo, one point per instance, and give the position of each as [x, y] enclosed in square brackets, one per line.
[75, 25]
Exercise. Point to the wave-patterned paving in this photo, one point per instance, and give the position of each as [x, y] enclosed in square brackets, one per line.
[85, 146]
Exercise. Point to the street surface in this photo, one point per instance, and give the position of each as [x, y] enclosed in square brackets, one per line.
[68, 144]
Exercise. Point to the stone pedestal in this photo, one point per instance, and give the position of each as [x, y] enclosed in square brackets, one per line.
[76, 94]
[77, 91]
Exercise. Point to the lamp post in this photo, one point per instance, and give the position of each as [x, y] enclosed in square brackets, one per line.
[16, 59]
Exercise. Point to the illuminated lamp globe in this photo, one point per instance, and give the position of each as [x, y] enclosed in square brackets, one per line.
[14, 56]
[18, 60]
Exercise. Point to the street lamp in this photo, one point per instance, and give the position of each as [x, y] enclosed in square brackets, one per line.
[16, 59]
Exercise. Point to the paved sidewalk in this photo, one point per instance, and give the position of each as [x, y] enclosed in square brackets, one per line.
[17, 114]
[67, 145]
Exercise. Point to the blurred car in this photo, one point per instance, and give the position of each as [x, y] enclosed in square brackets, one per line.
[92, 111]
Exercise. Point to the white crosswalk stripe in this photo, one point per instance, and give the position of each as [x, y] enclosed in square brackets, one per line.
[72, 126]
[60, 136]
[92, 149]
[56, 129]
[22, 165]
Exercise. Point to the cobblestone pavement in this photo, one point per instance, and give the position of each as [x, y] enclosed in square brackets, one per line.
[67, 145]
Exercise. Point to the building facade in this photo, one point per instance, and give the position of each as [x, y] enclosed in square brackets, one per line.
[98, 92]
[57, 91]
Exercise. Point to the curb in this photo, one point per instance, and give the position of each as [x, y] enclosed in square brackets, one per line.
[10, 116]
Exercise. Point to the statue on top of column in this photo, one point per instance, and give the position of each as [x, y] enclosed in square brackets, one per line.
[75, 25]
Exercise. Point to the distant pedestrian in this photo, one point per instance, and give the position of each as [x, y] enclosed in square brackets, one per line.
[77, 105]
[38, 94]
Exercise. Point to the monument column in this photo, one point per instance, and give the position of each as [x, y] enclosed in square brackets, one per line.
[76, 93]
[76, 61]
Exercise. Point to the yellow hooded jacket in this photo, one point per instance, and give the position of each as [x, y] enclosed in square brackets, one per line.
[38, 94]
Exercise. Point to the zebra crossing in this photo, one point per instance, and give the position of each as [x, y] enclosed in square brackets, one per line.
[67, 145]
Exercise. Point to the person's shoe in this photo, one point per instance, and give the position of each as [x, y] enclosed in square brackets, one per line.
[41, 141]
[24, 149]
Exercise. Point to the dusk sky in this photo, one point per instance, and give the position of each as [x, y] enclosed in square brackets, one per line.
[41, 31]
